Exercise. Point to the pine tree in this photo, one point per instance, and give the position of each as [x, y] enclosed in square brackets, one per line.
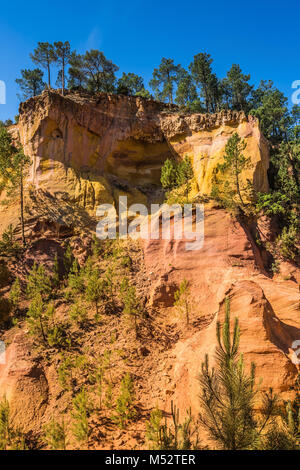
[238, 88]
[186, 93]
[31, 83]
[132, 307]
[8, 244]
[99, 379]
[11, 438]
[68, 259]
[228, 394]
[185, 174]
[76, 279]
[100, 72]
[38, 283]
[130, 84]
[76, 75]
[227, 178]
[182, 301]
[62, 53]
[14, 167]
[174, 436]
[95, 289]
[164, 79]
[15, 294]
[78, 313]
[208, 83]
[125, 402]
[5, 425]
[39, 316]
[168, 177]
[55, 435]
[80, 415]
[44, 56]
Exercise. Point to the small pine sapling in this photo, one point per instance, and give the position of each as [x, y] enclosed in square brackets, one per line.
[55, 435]
[182, 300]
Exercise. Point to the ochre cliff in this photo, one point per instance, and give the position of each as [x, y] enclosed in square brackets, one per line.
[91, 148]
[88, 150]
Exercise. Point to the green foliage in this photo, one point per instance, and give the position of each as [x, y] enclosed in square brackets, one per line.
[284, 434]
[132, 306]
[185, 174]
[10, 437]
[39, 318]
[96, 289]
[8, 245]
[109, 396]
[78, 313]
[31, 83]
[174, 175]
[207, 81]
[174, 436]
[5, 426]
[98, 376]
[38, 283]
[56, 333]
[270, 106]
[80, 415]
[125, 402]
[92, 71]
[228, 187]
[55, 435]
[132, 84]
[15, 294]
[126, 262]
[76, 279]
[186, 93]
[44, 56]
[182, 301]
[283, 202]
[168, 177]
[237, 89]
[68, 259]
[228, 394]
[61, 54]
[65, 372]
[164, 79]
[14, 167]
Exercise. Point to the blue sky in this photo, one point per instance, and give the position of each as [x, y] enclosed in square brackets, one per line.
[261, 36]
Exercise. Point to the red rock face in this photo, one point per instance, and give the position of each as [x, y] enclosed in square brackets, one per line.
[227, 254]
[23, 382]
[230, 265]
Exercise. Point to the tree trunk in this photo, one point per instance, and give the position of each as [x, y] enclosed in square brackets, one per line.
[22, 206]
[63, 77]
[42, 330]
[49, 82]
[187, 313]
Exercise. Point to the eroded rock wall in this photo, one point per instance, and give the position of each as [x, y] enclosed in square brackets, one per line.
[82, 145]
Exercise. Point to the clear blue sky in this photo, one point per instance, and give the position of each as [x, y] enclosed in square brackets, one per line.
[261, 36]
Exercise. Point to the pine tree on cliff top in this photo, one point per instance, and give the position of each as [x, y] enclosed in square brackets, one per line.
[31, 83]
[44, 56]
[62, 53]
[164, 79]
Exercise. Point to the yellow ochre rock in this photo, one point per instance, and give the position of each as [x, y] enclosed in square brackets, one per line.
[92, 147]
